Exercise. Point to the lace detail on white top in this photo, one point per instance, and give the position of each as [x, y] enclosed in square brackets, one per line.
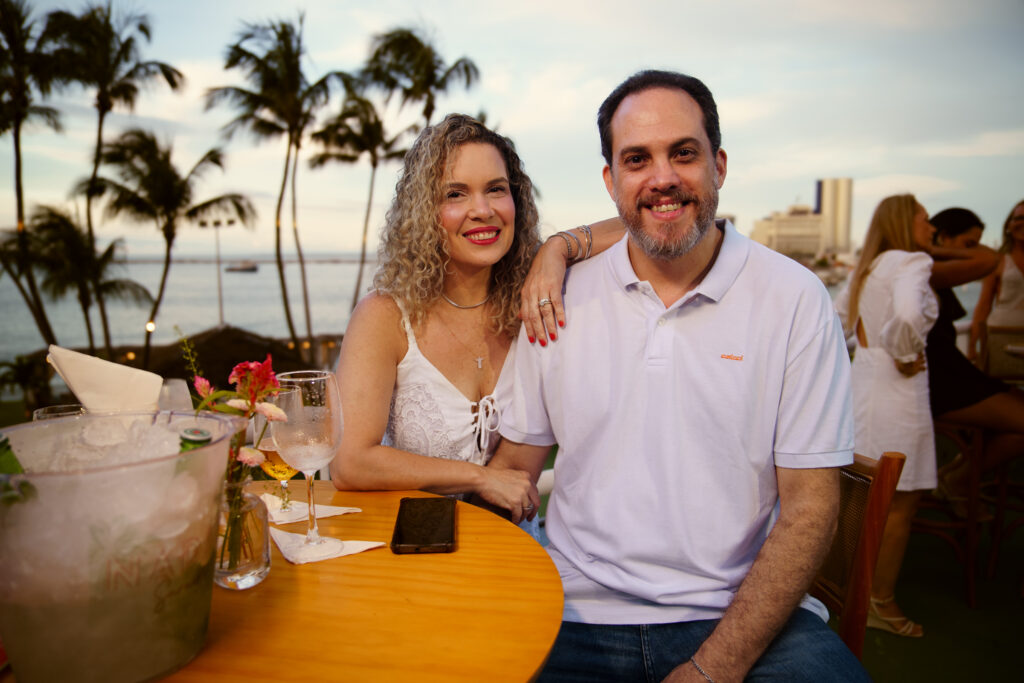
[429, 416]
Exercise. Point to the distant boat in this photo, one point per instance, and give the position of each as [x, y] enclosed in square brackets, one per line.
[243, 267]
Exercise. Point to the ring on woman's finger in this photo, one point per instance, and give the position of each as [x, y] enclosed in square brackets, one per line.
[544, 302]
[528, 508]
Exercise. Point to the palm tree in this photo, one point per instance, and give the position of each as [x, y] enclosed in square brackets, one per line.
[67, 261]
[27, 69]
[32, 375]
[403, 61]
[103, 51]
[355, 131]
[151, 188]
[280, 102]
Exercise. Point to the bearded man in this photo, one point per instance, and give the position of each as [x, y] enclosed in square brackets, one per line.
[700, 398]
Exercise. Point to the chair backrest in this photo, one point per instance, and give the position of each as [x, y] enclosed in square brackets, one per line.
[999, 357]
[866, 488]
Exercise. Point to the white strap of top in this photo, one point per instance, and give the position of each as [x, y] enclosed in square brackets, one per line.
[409, 336]
[486, 421]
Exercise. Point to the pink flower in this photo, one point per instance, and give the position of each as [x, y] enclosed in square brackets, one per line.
[202, 386]
[271, 412]
[250, 456]
[254, 380]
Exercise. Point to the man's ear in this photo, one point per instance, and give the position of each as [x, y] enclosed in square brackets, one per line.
[607, 173]
[720, 165]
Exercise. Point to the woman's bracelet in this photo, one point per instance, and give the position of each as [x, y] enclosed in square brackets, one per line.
[568, 245]
[579, 245]
[590, 241]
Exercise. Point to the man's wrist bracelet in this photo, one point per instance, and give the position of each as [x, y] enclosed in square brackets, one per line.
[701, 671]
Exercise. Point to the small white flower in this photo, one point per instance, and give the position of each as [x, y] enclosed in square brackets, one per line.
[271, 412]
[239, 403]
[250, 456]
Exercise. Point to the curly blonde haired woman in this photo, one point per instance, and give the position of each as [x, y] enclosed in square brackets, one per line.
[423, 351]
[890, 307]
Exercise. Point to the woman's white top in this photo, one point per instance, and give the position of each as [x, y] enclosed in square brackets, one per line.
[430, 416]
[891, 412]
[1008, 307]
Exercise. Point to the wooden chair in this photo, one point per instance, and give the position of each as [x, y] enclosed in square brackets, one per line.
[939, 517]
[1000, 356]
[866, 488]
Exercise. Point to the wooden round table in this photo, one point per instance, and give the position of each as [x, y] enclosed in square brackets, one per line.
[489, 611]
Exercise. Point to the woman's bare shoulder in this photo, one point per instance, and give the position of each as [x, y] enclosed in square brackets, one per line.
[377, 319]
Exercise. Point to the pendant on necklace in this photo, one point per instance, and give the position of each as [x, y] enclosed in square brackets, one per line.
[480, 363]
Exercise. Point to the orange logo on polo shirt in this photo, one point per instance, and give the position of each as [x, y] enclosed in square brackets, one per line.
[729, 356]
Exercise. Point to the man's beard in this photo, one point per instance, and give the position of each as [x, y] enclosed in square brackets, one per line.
[666, 251]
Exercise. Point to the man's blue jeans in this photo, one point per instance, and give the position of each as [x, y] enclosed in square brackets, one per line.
[806, 650]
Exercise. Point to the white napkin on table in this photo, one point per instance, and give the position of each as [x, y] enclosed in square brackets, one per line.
[299, 510]
[291, 546]
[102, 386]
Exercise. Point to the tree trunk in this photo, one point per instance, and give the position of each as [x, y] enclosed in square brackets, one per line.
[277, 250]
[302, 262]
[156, 302]
[85, 314]
[10, 269]
[366, 229]
[102, 306]
[24, 265]
[93, 276]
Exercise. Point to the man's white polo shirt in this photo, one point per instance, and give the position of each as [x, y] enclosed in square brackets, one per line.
[670, 423]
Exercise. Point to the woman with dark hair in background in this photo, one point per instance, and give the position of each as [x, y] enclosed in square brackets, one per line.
[959, 391]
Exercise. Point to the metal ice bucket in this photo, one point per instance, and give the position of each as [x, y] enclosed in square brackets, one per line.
[106, 572]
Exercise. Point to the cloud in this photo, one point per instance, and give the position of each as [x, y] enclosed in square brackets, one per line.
[998, 143]
[562, 94]
[800, 160]
[740, 111]
[918, 185]
[918, 15]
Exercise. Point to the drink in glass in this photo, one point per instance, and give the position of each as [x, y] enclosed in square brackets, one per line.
[312, 433]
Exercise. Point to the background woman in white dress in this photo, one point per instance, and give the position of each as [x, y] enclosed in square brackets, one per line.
[423, 351]
[889, 306]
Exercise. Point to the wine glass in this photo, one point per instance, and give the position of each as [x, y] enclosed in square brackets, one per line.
[312, 434]
[273, 465]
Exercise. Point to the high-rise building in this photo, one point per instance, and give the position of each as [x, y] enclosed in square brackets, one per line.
[806, 231]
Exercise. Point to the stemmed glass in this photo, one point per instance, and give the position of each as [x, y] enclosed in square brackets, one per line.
[273, 465]
[312, 433]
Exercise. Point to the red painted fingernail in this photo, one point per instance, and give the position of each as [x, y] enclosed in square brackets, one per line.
[531, 339]
[554, 336]
[561, 323]
[543, 343]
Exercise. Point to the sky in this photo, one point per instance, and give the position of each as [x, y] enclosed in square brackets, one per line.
[920, 96]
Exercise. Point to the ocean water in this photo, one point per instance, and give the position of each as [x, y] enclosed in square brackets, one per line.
[251, 301]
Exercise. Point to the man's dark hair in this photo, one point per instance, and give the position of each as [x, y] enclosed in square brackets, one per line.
[651, 78]
[953, 222]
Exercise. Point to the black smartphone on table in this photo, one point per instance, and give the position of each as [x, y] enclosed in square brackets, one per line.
[424, 525]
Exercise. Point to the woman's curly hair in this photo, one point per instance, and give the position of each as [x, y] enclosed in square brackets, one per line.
[414, 249]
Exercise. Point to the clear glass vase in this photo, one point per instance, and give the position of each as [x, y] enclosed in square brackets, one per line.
[242, 559]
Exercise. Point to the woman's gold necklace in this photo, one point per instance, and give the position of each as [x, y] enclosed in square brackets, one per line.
[479, 359]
